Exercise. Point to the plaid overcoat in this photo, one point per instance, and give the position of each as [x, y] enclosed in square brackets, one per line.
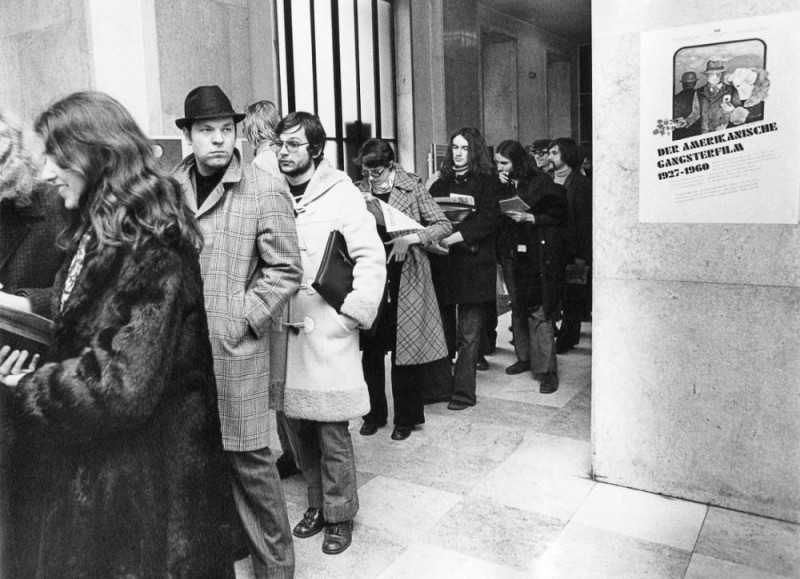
[420, 337]
[251, 267]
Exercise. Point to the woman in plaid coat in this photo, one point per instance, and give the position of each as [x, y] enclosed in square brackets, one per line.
[409, 325]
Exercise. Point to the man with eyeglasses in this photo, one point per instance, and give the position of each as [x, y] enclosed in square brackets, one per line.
[250, 263]
[540, 151]
[325, 386]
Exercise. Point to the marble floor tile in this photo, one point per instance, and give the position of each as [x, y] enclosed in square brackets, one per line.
[543, 452]
[404, 510]
[582, 552]
[642, 515]
[481, 439]
[440, 468]
[428, 562]
[522, 388]
[371, 552]
[574, 419]
[750, 540]
[546, 492]
[703, 567]
[494, 532]
[497, 411]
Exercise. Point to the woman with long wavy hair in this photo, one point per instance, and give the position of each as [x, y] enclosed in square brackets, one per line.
[117, 467]
[465, 278]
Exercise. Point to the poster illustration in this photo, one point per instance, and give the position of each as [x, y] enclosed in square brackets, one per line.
[720, 122]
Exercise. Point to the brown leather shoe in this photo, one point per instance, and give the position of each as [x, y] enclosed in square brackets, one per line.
[313, 522]
[338, 537]
[549, 383]
[518, 367]
[401, 432]
[368, 428]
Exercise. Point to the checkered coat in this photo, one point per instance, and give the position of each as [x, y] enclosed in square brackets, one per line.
[251, 267]
[420, 337]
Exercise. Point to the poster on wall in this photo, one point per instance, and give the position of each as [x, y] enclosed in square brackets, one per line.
[720, 122]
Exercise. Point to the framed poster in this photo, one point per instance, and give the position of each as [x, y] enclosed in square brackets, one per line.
[720, 122]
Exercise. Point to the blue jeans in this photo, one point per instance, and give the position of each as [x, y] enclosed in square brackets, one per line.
[470, 320]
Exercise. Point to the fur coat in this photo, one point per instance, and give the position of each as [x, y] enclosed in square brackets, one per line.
[116, 464]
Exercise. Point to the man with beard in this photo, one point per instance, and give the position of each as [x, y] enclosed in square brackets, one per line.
[325, 386]
[251, 266]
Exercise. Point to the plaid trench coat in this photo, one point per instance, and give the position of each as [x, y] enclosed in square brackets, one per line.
[251, 267]
[420, 338]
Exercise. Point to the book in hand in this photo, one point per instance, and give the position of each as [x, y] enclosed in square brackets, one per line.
[335, 275]
[25, 331]
[514, 204]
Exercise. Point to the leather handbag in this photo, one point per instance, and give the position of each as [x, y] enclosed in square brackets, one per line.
[335, 275]
[456, 213]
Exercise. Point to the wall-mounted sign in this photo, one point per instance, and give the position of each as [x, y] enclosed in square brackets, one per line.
[720, 122]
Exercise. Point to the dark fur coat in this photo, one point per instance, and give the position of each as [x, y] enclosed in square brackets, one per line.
[116, 463]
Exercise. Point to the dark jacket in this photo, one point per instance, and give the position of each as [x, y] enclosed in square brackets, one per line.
[539, 250]
[579, 230]
[468, 278]
[117, 467]
[28, 256]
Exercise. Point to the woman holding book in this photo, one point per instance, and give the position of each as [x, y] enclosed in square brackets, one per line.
[530, 252]
[409, 325]
[117, 466]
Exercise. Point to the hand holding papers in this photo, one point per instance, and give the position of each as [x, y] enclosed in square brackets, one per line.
[393, 219]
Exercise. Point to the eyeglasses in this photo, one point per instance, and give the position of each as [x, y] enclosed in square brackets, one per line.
[376, 172]
[291, 146]
[540, 153]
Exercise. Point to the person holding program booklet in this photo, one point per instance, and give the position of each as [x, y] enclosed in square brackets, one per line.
[530, 252]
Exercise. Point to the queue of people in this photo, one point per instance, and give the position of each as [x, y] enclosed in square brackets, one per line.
[185, 311]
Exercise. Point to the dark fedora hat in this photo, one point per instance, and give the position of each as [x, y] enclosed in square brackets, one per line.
[207, 102]
[714, 66]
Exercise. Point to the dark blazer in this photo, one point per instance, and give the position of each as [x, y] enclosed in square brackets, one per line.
[117, 467]
[468, 278]
[29, 259]
[579, 231]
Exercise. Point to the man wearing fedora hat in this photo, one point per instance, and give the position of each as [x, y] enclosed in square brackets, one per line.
[717, 99]
[686, 108]
[250, 263]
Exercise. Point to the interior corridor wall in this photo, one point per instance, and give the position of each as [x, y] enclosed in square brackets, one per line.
[696, 333]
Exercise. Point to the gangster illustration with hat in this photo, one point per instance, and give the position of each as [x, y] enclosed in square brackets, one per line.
[716, 99]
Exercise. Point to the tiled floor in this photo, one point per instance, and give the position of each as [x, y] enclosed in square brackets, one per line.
[503, 490]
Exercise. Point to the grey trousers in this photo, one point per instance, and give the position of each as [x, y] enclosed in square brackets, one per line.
[541, 342]
[324, 452]
[259, 500]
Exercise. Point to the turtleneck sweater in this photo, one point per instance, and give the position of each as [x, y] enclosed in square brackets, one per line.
[560, 175]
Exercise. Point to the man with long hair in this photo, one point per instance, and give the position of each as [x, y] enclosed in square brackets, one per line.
[467, 275]
[251, 267]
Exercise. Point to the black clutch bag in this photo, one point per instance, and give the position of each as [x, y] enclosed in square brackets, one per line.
[335, 275]
[456, 212]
